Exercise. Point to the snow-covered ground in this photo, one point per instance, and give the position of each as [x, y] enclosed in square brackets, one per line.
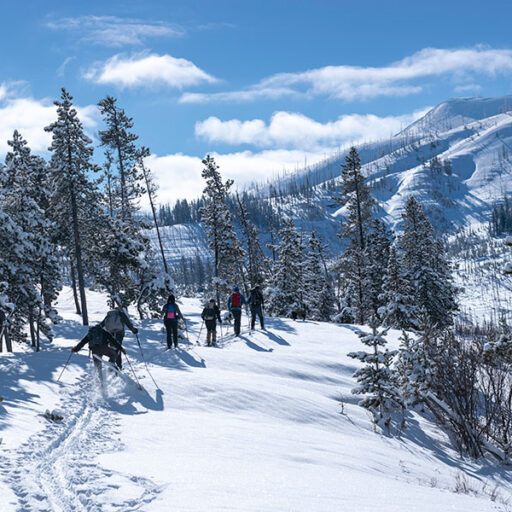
[263, 422]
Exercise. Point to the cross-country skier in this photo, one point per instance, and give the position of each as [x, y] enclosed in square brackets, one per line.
[235, 302]
[256, 303]
[101, 343]
[114, 323]
[210, 315]
[171, 313]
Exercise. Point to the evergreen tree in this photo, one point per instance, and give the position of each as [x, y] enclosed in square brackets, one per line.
[398, 310]
[317, 282]
[378, 242]
[356, 199]
[228, 254]
[69, 166]
[376, 378]
[286, 290]
[425, 267]
[120, 143]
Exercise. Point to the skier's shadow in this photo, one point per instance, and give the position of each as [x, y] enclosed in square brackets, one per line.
[274, 337]
[189, 359]
[255, 346]
[141, 397]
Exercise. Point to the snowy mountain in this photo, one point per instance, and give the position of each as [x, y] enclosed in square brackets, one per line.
[264, 422]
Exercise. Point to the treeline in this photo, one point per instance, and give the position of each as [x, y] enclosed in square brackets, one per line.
[500, 222]
[69, 216]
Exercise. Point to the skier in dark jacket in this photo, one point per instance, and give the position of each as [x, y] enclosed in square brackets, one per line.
[101, 343]
[114, 323]
[210, 315]
[171, 313]
[256, 304]
[235, 302]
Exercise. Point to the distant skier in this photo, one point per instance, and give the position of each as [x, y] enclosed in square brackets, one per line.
[210, 315]
[256, 303]
[171, 313]
[101, 343]
[235, 302]
[114, 323]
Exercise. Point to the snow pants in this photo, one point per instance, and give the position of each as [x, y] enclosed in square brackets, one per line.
[237, 318]
[119, 336]
[211, 334]
[105, 350]
[171, 327]
[257, 311]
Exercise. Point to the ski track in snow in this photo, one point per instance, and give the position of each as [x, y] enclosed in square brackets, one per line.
[57, 470]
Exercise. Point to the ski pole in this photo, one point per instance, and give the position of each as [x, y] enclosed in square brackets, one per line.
[200, 330]
[131, 368]
[221, 335]
[145, 363]
[65, 366]
[186, 330]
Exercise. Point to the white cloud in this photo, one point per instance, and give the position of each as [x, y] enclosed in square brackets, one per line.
[29, 116]
[354, 82]
[294, 130]
[179, 175]
[143, 70]
[115, 31]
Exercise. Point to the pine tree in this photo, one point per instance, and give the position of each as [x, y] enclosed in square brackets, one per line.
[376, 378]
[228, 254]
[425, 267]
[317, 282]
[120, 143]
[287, 288]
[28, 202]
[357, 201]
[398, 310]
[70, 164]
[378, 242]
[257, 265]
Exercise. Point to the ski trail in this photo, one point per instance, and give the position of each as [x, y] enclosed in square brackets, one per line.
[57, 470]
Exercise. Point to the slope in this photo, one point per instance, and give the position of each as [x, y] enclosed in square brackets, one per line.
[264, 422]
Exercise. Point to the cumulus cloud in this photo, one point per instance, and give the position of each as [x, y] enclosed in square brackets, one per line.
[29, 116]
[142, 70]
[404, 77]
[294, 130]
[114, 30]
[179, 175]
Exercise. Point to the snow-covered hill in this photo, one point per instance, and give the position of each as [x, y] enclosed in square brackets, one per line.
[264, 422]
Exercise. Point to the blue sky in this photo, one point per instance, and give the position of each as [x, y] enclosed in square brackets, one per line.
[264, 85]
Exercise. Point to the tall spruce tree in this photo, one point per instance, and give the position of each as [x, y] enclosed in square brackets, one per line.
[287, 288]
[70, 165]
[228, 255]
[425, 267]
[318, 282]
[355, 197]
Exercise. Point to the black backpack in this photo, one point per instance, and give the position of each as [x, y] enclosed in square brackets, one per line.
[97, 337]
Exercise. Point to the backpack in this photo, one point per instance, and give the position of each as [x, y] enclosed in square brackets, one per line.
[209, 314]
[96, 337]
[236, 300]
[171, 312]
[255, 299]
[114, 321]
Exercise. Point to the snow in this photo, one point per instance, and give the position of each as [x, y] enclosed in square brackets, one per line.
[263, 422]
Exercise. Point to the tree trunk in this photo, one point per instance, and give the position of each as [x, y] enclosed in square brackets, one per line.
[32, 330]
[73, 286]
[148, 188]
[8, 341]
[78, 257]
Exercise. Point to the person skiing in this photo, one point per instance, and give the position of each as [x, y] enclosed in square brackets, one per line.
[256, 304]
[210, 315]
[114, 323]
[171, 313]
[101, 343]
[235, 302]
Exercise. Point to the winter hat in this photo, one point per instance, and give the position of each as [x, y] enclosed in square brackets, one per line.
[236, 289]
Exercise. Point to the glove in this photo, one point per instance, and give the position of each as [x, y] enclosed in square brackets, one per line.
[135, 330]
[220, 322]
[73, 349]
[123, 350]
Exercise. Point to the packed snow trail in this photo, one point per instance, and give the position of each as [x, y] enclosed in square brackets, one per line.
[262, 422]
